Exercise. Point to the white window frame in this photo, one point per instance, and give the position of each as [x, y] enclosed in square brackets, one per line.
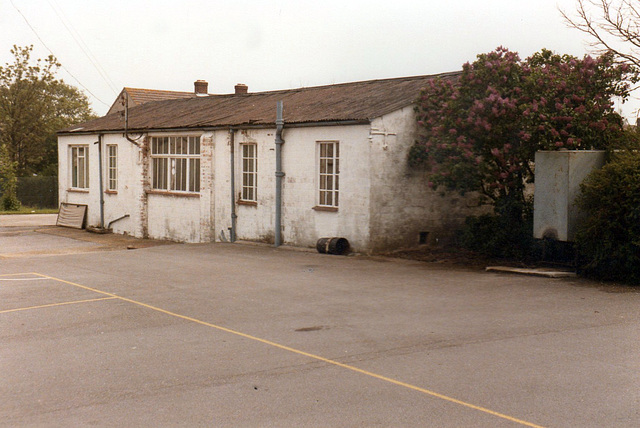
[79, 166]
[328, 189]
[249, 159]
[112, 167]
[175, 163]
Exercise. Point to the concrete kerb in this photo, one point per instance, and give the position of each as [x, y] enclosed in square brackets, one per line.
[543, 272]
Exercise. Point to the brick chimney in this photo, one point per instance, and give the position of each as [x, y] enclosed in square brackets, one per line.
[201, 87]
[241, 89]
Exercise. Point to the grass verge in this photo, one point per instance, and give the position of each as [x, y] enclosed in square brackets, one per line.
[31, 210]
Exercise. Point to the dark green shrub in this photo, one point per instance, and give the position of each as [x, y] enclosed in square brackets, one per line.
[608, 237]
[10, 203]
[508, 233]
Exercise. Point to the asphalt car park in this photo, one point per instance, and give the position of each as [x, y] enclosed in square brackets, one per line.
[145, 334]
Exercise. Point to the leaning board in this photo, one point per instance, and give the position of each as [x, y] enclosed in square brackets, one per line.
[71, 215]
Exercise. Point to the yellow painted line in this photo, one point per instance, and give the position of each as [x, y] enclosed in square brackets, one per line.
[18, 274]
[306, 354]
[50, 305]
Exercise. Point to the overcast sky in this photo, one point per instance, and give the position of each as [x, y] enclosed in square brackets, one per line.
[269, 45]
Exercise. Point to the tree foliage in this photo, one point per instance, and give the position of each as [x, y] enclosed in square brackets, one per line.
[481, 132]
[33, 105]
[613, 25]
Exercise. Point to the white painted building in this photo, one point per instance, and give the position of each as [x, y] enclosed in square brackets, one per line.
[344, 159]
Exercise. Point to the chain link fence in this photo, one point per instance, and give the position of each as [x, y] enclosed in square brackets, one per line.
[37, 192]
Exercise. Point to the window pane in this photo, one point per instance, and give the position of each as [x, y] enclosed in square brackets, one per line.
[194, 175]
[160, 173]
[156, 174]
[323, 182]
[183, 174]
[197, 184]
[81, 172]
[74, 167]
[178, 174]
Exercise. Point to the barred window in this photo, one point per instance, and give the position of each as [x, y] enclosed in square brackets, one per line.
[80, 167]
[249, 172]
[329, 173]
[112, 167]
[175, 164]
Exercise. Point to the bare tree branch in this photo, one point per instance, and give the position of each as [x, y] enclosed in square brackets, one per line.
[615, 27]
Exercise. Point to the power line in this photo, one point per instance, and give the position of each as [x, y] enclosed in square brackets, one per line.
[82, 45]
[51, 52]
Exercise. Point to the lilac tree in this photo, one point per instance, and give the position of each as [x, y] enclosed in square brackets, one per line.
[481, 132]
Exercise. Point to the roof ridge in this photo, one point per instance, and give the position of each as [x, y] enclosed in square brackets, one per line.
[156, 90]
[302, 88]
[333, 85]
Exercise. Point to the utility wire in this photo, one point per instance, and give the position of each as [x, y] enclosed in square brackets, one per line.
[82, 45]
[51, 52]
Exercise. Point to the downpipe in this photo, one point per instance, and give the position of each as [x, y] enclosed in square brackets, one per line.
[99, 143]
[234, 216]
[279, 174]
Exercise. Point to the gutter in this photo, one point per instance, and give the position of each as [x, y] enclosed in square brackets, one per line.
[224, 127]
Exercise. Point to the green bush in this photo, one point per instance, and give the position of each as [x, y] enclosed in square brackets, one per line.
[608, 236]
[10, 203]
[508, 233]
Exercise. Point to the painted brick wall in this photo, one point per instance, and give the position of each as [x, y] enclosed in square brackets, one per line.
[402, 206]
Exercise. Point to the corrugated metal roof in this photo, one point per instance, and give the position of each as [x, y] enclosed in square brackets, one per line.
[139, 96]
[358, 101]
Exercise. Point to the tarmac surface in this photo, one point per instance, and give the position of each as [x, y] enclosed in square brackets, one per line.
[162, 334]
